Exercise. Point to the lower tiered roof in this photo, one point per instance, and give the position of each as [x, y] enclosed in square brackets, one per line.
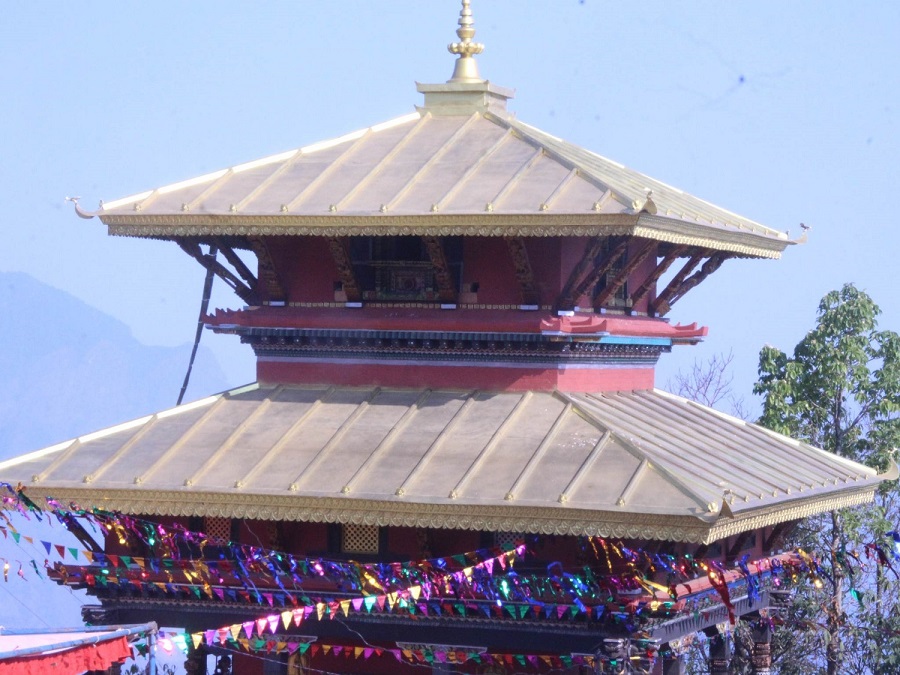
[637, 464]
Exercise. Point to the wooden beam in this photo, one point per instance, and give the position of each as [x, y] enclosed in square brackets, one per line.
[619, 280]
[778, 531]
[243, 291]
[661, 269]
[266, 269]
[738, 544]
[605, 266]
[442, 274]
[524, 273]
[340, 251]
[713, 263]
[566, 299]
[663, 298]
[235, 261]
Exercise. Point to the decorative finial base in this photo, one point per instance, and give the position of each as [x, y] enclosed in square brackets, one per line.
[466, 69]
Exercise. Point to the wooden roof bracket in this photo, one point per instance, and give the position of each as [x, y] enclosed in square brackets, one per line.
[442, 274]
[340, 252]
[244, 292]
[661, 305]
[661, 269]
[266, 269]
[566, 299]
[573, 291]
[524, 273]
[610, 289]
[713, 263]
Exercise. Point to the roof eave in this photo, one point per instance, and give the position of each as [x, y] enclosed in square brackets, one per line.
[545, 520]
[664, 229]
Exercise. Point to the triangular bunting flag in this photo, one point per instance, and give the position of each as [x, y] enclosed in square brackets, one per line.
[286, 618]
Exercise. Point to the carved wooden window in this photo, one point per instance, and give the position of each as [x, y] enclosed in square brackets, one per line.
[399, 269]
[507, 539]
[217, 529]
[360, 538]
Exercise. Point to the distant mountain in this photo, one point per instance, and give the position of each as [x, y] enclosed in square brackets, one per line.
[67, 369]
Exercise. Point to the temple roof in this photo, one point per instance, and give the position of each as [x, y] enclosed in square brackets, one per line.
[436, 171]
[461, 164]
[642, 464]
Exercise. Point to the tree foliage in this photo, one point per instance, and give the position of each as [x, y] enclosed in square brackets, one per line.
[840, 391]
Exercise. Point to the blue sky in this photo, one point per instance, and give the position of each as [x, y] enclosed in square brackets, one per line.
[782, 112]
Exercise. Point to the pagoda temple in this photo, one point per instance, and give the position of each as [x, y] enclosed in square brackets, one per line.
[454, 457]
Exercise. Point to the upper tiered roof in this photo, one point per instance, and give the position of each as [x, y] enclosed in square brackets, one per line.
[461, 164]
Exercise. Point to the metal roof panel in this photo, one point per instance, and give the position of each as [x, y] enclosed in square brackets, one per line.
[555, 462]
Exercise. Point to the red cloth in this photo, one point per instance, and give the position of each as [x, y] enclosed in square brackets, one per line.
[99, 656]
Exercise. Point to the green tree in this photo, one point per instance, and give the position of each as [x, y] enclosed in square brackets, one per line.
[840, 391]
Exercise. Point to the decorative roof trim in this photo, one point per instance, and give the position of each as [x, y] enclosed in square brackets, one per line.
[518, 518]
[443, 224]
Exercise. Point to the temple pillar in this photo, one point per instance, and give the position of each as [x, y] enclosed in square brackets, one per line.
[719, 654]
[672, 663]
[615, 655]
[195, 663]
[761, 654]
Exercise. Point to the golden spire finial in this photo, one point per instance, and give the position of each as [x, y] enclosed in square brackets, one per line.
[465, 70]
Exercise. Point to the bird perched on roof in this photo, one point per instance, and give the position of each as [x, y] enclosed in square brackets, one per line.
[805, 227]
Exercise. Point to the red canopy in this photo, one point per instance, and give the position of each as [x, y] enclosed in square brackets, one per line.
[67, 651]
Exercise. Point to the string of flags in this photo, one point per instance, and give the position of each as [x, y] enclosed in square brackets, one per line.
[478, 583]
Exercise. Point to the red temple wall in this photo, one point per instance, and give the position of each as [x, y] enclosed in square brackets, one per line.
[486, 261]
[414, 375]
